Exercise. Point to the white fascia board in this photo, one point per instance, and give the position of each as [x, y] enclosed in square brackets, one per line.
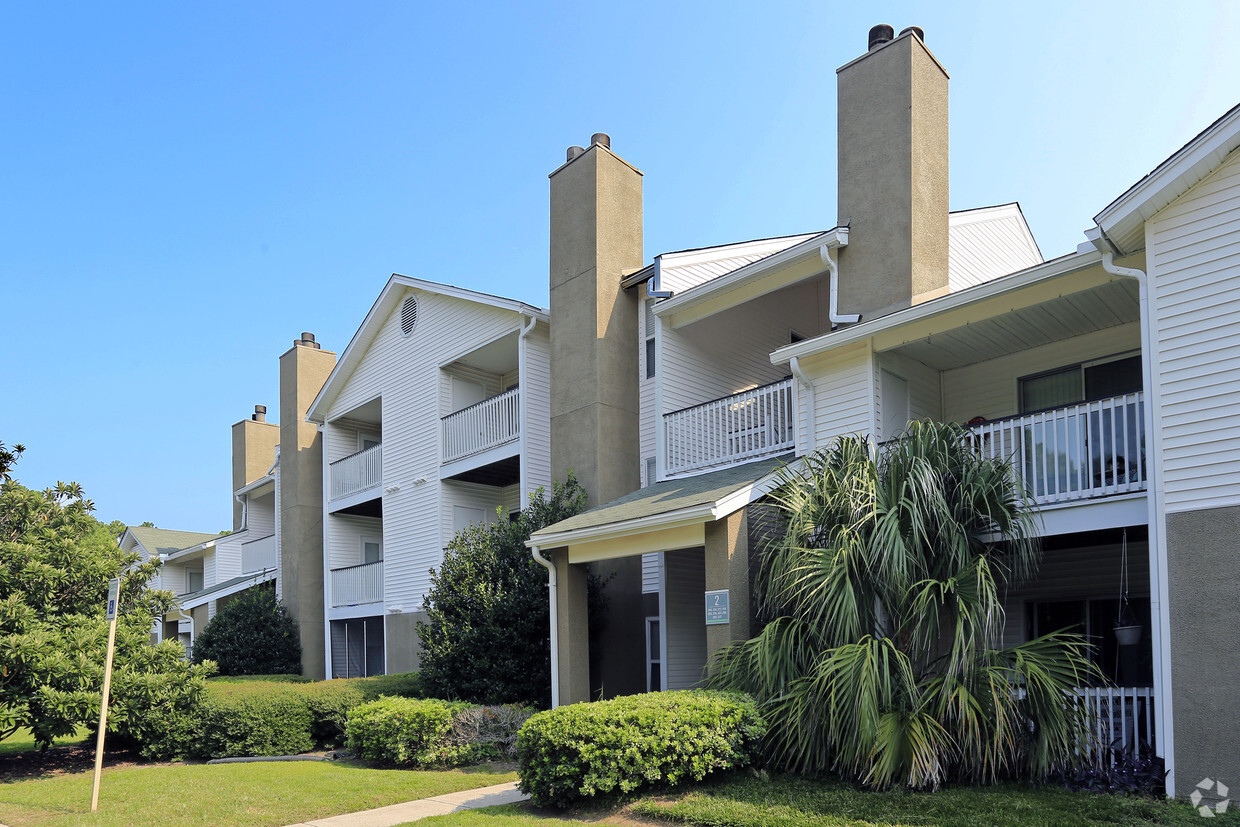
[750, 272]
[612, 531]
[952, 301]
[186, 553]
[358, 345]
[254, 486]
[1124, 216]
[704, 513]
[257, 578]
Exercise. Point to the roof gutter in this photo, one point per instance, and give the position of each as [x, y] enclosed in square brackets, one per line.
[1159, 568]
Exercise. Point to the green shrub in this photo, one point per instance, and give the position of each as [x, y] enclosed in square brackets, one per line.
[253, 633]
[613, 747]
[405, 732]
[260, 678]
[274, 722]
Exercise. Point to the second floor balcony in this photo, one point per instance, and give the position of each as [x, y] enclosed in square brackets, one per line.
[357, 585]
[738, 428]
[357, 473]
[259, 554]
[480, 427]
[1082, 451]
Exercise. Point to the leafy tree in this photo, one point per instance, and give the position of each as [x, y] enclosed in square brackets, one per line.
[487, 638]
[7, 458]
[55, 563]
[254, 634]
[883, 594]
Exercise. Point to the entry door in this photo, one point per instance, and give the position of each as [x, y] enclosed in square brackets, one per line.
[895, 405]
[466, 393]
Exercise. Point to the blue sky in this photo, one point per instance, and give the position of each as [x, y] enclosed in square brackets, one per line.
[188, 186]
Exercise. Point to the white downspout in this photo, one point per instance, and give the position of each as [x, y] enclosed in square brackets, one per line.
[811, 433]
[824, 253]
[1159, 587]
[555, 625]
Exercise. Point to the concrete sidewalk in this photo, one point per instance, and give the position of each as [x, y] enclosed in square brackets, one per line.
[494, 795]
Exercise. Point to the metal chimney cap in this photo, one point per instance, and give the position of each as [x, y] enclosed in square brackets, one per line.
[601, 139]
[880, 34]
[573, 152]
[917, 30]
[307, 337]
[260, 413]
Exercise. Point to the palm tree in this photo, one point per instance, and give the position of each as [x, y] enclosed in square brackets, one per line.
[883, 594]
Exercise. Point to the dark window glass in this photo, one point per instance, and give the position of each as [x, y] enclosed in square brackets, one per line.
[650, 358]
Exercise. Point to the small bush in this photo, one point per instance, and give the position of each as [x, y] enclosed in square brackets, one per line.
[404, 732]
[612, 747]
[254, 633]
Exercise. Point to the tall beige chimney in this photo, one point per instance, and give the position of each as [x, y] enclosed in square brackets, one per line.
[303, 370]
[596, 239]
[254, 442]
[892, 175]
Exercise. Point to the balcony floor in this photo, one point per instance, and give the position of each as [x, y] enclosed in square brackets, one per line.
[368, 503]
[499, 467]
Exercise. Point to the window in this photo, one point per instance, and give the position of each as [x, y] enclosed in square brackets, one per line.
[367, 439]
[193, 581]
[654, 658]
[650, 328]
[1087, 381]
[372, 550]
[1095, 619]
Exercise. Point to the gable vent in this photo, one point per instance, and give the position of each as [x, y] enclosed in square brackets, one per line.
[409, 315]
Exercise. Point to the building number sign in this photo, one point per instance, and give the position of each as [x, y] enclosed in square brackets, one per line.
[717, 607]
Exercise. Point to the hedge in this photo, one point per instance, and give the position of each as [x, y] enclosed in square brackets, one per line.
[251, 718]
[405, 732]
[613, 747]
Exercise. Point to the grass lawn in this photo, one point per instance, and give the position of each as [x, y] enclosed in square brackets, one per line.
[267, 793]
[22, 740]
[742, 801]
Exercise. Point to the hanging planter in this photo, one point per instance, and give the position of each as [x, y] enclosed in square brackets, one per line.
[1128, 635]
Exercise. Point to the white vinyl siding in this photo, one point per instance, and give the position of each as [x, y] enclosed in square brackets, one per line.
[261, 517]
[645, 390]
[987, 243]
[1193, 257]
[405, 371]
[685, 621]
[227, 556]
[536, 398]
[843, 381]
[990, 388]
[651, 573]
[730, 351]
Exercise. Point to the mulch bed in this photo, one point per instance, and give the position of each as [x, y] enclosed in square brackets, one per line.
[19, 766]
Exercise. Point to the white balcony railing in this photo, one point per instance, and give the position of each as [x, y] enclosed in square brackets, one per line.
[354, 585]
[481, 427]
[737, 428]
[259, 554]
[357, 472]
[1094, 449]
[1123, 715]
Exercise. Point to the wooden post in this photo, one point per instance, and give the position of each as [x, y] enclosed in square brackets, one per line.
[113, 599]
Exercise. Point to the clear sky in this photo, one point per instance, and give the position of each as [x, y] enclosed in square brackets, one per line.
[185, 187]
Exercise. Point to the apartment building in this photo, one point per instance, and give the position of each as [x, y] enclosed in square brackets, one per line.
[1108, 375]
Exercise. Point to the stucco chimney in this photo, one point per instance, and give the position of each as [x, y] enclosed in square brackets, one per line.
[892, 175]
[303, 369]
[596, 238]
[254, 442]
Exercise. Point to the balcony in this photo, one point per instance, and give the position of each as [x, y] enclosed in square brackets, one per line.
[481, 427]
[356, 585]
[259, 554]
[744, 426]
[357, 473]
[1094, 449]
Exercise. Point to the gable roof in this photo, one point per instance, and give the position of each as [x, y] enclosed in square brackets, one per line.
[1123, 220]
[352, 355]
[167, 540]
[987, 242]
